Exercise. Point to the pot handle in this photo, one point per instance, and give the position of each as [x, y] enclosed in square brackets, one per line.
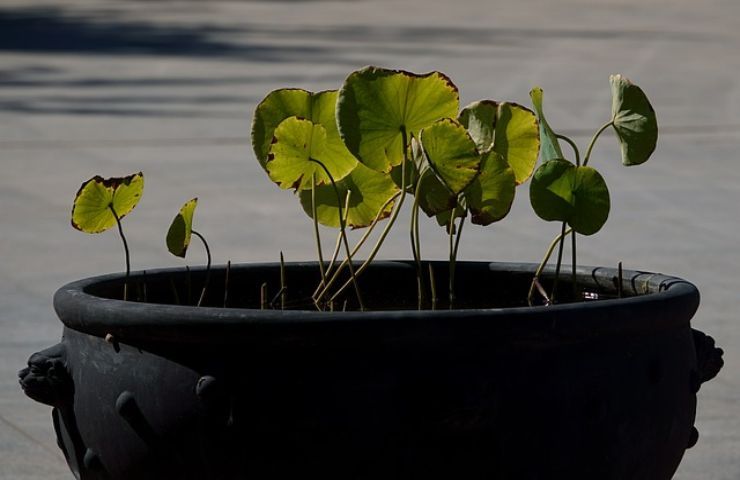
[47, 379]
[708, 356]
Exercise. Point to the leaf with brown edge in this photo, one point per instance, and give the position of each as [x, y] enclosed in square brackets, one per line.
[98, 198]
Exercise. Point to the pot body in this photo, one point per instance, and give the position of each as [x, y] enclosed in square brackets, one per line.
[603, 389]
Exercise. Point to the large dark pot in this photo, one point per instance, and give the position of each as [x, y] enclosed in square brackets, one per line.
[602, 389]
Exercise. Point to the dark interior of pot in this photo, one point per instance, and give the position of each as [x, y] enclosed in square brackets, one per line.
[383, 286]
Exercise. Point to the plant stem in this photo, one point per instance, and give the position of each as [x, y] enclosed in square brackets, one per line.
[343, 232]
[544, 261]
[433, 286]
[208, 267]
[316, 227]
[282, 282]
[453, 253]
[416, 243]
[573, 256]
[125, 249]
[593, 142]
[226, 282]
[573, 146]
[559, 263]
[391, 221]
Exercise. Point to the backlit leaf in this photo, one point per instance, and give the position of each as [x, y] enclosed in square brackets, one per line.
[370, 190]
[99, 197]
[479, 118]
[451, 152]
[376, 105]
[517, 138]
[491, 194]
[181, 229]
[434, 196]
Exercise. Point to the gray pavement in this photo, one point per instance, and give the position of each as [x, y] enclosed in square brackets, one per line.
[168, 88]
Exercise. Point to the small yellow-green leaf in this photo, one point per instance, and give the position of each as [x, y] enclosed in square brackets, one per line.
[491, 194]
[370, 190]
[181, 229]
[517, 138]
[479, 118]
[577, 195]
[634, 121]
[451, 152]
[550, 149]
[376, 106]
[98, 198]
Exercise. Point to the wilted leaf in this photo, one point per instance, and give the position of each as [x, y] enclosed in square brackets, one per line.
[550, 149]
[98, 197]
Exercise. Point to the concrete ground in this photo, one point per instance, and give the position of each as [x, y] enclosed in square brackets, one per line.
[169, 87]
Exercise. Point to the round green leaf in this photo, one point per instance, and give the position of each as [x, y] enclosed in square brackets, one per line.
[319, 108]
[517, 138]
[634, 121]
[376, 105]
[370, 190]
[491, 194]
[299, 148]
[181, 229]
[550, 146]
[434, 196]
[479, 119]
[577, 195]
[451, 152]
[97, 198]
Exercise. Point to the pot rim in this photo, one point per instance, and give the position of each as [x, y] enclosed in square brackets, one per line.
[139, 321]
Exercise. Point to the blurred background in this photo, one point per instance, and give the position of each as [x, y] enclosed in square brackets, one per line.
[169, 87]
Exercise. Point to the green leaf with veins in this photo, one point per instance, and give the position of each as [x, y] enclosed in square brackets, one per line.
[181, 229]
[576, 195]
[376, 105]
[370, 191]
[479, 119]
[634, 121]
[451, 153]
[91, 211]
[490, 196]
[550, 149]
[517, 138]
[298, 145]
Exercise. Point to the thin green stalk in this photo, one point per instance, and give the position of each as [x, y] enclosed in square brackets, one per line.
[416, 243]
[317, 236]
[453, 252]
[593, 142]
[282, 282]
[335, 254]
[319, 292]
[544, 261]
[343, 231]
[125, 249]
[559, 262]
[573, 257]
[387, 228]
[226, 282]
[573, 146]
[208, 267]
[433, 286]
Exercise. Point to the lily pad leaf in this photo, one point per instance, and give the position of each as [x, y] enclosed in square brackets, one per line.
[634, 121]
[550, 149]
[517, 138]
[298, 151]
[451, 153]
[576, 195]
[370, 190]
[433, 196]
[319, 108]
[181, 229]
[99, 197]
[444, 219]
[479, 119]
[490, 196]
[377, 106]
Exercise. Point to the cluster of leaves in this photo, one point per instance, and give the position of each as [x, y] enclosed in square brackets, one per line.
[386, 134]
